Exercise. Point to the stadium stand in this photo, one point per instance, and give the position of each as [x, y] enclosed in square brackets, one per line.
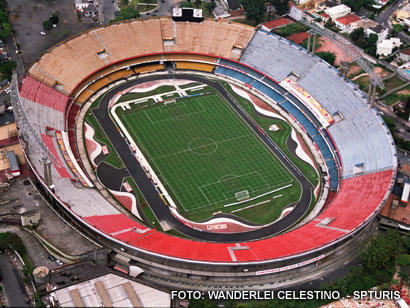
[38, 92]
[114, 223]
[148, 68]
[359, 141]
[234, 74]
[276, 57]
[54, 63]
[357, 199]
[268, 91]
[186, 65]
[139, 60]
[120, 74]
[100, 83]
[189, 57]
[343, 98]
[241, 67]
[213, 38]
[58, 165]
[126, 40]
[318, 139]
[83, 96]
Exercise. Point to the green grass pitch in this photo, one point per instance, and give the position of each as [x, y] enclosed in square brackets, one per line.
[204, 152]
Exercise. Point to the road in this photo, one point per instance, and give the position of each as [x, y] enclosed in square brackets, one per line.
[150, 193]
[402, 126]
[13, 285]
[383, 17]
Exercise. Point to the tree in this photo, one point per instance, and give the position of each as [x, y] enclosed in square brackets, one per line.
[357, 34]
[255, 9]
[329, 57]
[47, 25]
[6, 30]
[198, 3]
[125, 14]
[372, 16]
[210, 6]
[372, 39]
[356, 5]
[186, 4]
[54, 19]
[281, 6]
[397, 28]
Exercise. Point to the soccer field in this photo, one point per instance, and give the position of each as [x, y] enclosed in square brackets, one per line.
[204, 152]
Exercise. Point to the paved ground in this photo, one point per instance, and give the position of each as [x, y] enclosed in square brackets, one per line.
[27, 16]
[51, 227]
[13, 285]
[162, 212]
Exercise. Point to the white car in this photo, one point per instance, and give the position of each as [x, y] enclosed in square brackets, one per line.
[59, 262]
[43, 33]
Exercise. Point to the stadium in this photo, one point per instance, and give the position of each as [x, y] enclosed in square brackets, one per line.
[195, 74]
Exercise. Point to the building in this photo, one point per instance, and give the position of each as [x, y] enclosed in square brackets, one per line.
[338, 11]
[380, 31]
[404, 55]
[325, 17]
[403, 13]
[81, 5]
[381, 2]
[301, 1]
[385, 47]
[275, 23]
[321, 6]
[348, 23]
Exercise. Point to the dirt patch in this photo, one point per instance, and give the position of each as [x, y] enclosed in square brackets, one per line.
[329, 45]
[354, 69]
[381, 72]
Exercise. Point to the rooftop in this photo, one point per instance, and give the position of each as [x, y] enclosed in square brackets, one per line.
[298, 38]
[276, 23]
[406, 51]
[347, 20]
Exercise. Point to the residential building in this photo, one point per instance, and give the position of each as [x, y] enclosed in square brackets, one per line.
[348, 23]
[403, 13]
[325, 17]
[385, 47]
[380, 31]
[381, 2]
[404, 55]
[338, 11]
[324, 5]
[301, 1]
[275, 23]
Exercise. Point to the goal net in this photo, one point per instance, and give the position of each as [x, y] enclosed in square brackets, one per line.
[169, 101]
[242, 195]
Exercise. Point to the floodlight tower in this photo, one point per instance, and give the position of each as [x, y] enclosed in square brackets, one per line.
[27, 133]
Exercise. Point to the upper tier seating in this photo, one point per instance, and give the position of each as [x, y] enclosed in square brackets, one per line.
[104, 46]
[363, 139]
[276, 57]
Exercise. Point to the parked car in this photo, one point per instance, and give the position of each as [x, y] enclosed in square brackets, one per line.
[59, 262]
[43, 33]
[51, 258]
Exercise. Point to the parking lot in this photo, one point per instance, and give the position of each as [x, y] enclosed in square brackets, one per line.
[27, 17]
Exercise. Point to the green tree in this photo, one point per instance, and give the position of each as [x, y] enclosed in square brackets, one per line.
[281, 6]
[356, 5]
[372, 16]
[125, 14]
[372, 39]
[329, 57]
[255, 9]
[54, 19]
[210, 6]
[202, 303]
[357, 34]
[47, 25]
[6, 30]
[397, 28]
[198, 3]
[186, 4]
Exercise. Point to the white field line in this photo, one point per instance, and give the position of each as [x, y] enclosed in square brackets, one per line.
[141, 158]
[269, 192]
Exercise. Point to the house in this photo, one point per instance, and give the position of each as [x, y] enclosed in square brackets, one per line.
[404, 55]
[325, 17]
[338, 11]
[348, 23]
[275, 23]
[403, 13]
[380, 31]
[385, 47]
[381, 2]
[301, 1]
[324, 5]
[81, 5]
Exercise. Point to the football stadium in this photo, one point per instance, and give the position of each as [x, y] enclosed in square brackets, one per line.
[205, 154]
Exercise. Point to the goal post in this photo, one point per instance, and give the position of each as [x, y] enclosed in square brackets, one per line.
[170, 101]
[242, 195]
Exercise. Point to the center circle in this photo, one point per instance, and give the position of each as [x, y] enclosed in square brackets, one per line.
[202, 146]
